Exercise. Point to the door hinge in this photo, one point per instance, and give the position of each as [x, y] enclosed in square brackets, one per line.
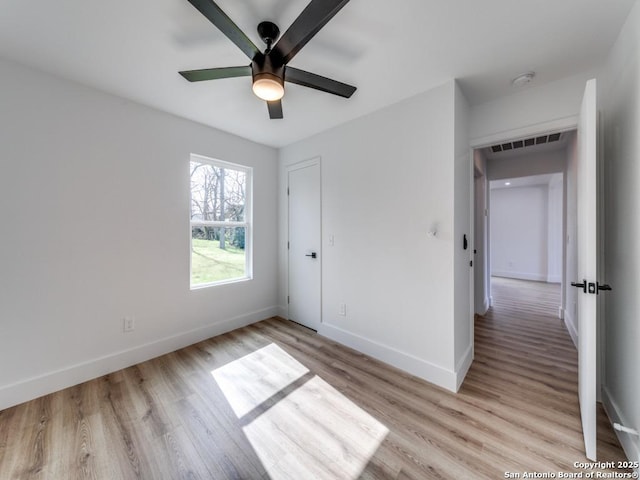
[288, 245]
[288, 300]
[287, 190]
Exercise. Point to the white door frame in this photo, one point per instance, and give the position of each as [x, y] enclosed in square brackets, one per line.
[552, 126]
[562, 124]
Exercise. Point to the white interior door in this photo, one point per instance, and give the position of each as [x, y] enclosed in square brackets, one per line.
[587, 245]
[304, 244]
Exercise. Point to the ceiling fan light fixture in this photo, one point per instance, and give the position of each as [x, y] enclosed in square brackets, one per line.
[268, 87]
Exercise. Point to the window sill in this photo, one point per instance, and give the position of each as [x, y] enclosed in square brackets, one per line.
[219, 283]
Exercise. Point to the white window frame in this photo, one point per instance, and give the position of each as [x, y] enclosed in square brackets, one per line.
[247, 224]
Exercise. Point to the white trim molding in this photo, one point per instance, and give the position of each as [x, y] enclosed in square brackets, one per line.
[571, 328]
[486, 304]
[53, 381]
[536, 277]
[630, 443]
[430, 372]
[463, 366]
[557, 125]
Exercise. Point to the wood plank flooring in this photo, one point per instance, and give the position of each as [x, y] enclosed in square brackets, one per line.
[276, 401]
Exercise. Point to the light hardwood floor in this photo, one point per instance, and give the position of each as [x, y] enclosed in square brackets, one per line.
[276, 401]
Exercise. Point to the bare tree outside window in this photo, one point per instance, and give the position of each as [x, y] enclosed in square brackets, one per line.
[219, 221]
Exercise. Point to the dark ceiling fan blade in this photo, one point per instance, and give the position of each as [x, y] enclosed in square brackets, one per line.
[275, 109]
[215, 15]
[216, 73]
[318, 82]
[310, 21]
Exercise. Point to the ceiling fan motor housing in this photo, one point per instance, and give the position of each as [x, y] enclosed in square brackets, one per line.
[263, 67]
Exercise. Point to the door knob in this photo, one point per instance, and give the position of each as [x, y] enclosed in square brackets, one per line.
[590, 287]
[582, 285]
[312, 255]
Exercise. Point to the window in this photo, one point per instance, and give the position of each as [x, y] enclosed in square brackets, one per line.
[220, 221]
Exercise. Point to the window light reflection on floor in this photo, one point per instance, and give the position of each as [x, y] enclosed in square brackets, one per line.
[251, 380]
[298, 424]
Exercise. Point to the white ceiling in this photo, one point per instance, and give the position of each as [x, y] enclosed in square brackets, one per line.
[389, 50]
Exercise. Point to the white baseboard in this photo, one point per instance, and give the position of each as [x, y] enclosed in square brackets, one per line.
[484, 307]
[416, 366]
[536, 277]
[53, 381]
[463, 366]
[630, 444]
[571, 328]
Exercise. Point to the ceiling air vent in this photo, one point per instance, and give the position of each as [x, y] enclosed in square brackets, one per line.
[527, 142]
[554, 137]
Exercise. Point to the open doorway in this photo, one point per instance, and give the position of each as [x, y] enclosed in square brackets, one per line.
[523, 212]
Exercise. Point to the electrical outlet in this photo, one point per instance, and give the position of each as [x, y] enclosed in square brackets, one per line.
[128, 324]
[342, 309]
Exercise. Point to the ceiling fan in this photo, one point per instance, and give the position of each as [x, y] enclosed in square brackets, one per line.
[269, 69]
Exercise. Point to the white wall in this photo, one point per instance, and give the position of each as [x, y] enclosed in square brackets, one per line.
[526, 165]
[555, 223]
[621, 118]
[94, 205]
[527, 231]
[538, 109]
[387, 179]
[519, 226]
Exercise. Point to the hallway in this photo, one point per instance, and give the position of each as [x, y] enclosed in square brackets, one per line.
[526, 362]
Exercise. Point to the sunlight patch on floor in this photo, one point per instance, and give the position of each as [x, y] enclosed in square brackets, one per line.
[251, 380]
[305, 428]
